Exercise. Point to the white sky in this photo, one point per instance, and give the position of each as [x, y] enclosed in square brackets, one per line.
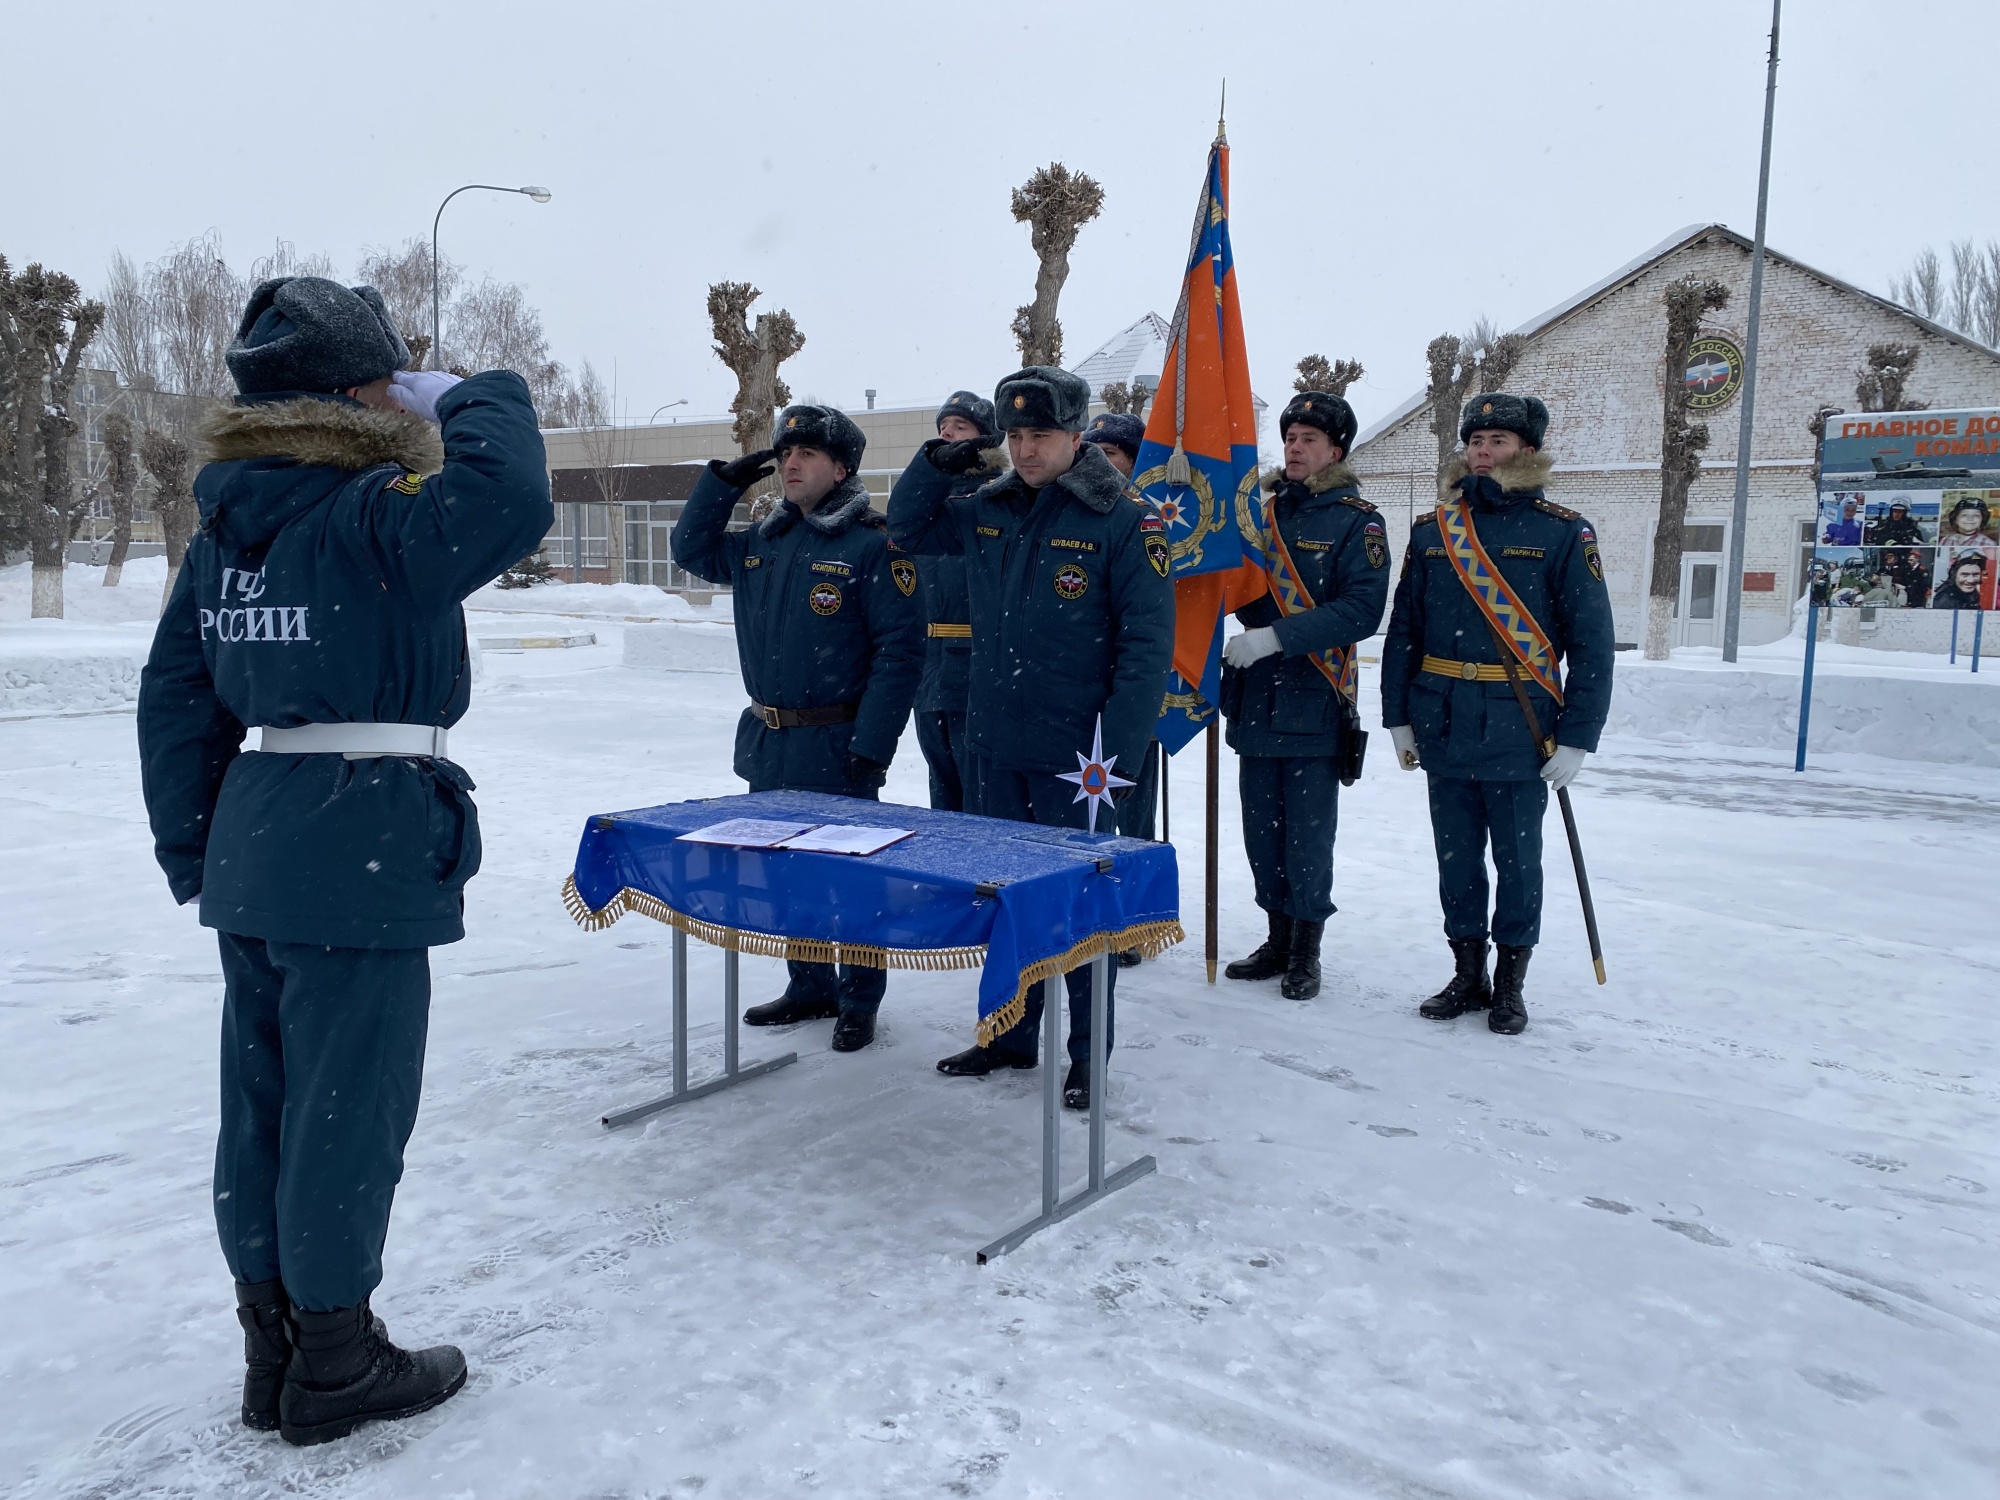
[1398, 169]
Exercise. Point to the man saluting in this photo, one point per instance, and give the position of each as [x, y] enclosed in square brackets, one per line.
[1500, 586]
[830, 636]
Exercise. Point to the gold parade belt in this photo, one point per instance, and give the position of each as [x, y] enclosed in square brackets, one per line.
[951, 632]
[1464, 671]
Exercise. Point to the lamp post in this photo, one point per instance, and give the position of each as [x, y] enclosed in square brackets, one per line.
[538, 194]
[668, 407]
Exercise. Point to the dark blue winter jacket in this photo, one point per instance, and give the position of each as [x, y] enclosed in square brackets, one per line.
[1284, 704]
[1072, 613]
[1548, 555]
[324, 588]
[826, 617]
[948, 612]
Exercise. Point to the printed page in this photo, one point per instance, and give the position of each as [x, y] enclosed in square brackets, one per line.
[846, 838]
[746, 833]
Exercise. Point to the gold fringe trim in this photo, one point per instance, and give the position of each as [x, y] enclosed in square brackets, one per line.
[1150, 938]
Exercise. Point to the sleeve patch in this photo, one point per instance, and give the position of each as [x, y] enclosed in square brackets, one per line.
[409, 484]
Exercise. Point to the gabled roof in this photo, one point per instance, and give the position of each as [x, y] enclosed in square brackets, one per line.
[1626, 274]
[1138, 350]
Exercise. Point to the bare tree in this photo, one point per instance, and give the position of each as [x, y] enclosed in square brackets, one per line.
[196, 303]
[1318, 373]
[403, 276]
[1126, 400]
[1921, 288]
[1055, 203]
[753, 356]
[1482, 359]
[122, 479]
[1882, 383]
[167, 460]
[1681, 445]
[1967, 299]
[285, 260]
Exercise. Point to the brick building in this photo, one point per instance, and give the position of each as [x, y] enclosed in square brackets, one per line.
[1596, 359]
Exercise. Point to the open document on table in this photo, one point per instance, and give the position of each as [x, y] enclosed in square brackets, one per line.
[814, 838]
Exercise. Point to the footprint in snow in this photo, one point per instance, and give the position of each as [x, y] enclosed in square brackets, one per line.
[1700, 1234]
[1610, 1205]
[1391, 1130]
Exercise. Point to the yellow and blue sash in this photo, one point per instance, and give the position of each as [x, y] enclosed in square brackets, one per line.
[1507, 615]
[1339, 667]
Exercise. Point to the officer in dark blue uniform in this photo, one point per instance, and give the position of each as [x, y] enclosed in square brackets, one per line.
[1448, 704]
[319, 606]
[829, 632]
[1072, 618]
[1288, 724]
[940, 712]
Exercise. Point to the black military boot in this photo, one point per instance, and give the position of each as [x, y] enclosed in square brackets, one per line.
[1302, 967]
[344, 1372]
[1271, 960]
[784, 1010]
[261, 1307]
[1468, 990]
[1076, 1086]
[1509, 1015]
[854, 1029]
[1130, 958]
[977, 1062]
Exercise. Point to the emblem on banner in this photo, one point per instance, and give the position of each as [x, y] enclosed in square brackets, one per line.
[905, 573]
[1093, 776]
[1071, 581]
[824, 599]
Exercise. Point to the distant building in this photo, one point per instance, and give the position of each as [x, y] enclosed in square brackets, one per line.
[1596, 359]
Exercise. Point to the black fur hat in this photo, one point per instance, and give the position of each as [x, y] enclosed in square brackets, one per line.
[305, 333]
[975, 408]
[1330, 414]
[1043, 396]
[832, 432]
[1524, 415]
[1117, 430]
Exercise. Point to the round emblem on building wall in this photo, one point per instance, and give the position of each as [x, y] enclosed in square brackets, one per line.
[1714, 372]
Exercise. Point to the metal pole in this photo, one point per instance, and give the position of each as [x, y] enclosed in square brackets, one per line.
[576, 542]
[1732, 618]
[1805, 682]
[680, 1011]
[1952, 660]
[540, 195]
[730, 994]
[1978, 628]
[1053, 995]
[1209, 855]
[1100, 1017]
[1166, 821]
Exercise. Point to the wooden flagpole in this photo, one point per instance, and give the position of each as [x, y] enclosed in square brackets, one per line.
[1209, 853]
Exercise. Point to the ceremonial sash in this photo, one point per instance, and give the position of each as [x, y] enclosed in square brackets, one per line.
[1516, 629]
[1337, 666]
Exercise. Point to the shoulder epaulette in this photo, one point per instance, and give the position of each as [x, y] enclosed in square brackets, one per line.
[1560, 512]
[1426, 517]
[1357, 502]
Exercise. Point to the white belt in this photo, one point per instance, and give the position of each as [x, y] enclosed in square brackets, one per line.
[355, 741]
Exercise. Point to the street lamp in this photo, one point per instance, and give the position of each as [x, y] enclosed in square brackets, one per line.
[539, 194]
[668, 407]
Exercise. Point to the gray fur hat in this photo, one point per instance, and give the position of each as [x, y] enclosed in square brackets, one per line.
[972, 406]
[1043, 396]
[833, 432]
[1523, 415]
[1117, 430]
[305, 333]
[1329, 413]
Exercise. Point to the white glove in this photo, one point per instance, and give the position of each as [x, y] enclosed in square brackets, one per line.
[1404, 739]
[417, 391]
[1560, 769]
[1251, 646]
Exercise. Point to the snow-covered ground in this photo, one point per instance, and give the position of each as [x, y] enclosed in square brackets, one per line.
[1729, 1226]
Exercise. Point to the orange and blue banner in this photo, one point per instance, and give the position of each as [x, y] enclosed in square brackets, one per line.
[1198, 463]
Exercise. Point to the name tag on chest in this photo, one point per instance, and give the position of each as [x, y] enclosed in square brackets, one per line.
[1302, 545]
[990, 531]
[835, 569]
[1072, 544]
[1533, 554]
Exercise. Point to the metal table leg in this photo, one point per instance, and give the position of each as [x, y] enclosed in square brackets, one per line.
[731, 1073]
[1055, 1208]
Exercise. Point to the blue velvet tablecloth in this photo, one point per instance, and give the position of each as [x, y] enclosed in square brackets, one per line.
[1026, 901]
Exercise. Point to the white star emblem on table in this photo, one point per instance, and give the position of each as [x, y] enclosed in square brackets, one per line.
[1093, 775]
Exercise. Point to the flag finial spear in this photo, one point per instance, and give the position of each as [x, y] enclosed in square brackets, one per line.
[1222, 110]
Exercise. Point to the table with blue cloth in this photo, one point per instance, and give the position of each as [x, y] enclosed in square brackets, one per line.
[1023, 903]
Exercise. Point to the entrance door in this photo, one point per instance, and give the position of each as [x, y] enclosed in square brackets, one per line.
[1700, 583]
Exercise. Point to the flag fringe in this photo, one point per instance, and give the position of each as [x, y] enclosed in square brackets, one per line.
[1151, 939]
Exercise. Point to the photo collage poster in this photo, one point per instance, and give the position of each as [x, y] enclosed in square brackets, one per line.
[1909, 511]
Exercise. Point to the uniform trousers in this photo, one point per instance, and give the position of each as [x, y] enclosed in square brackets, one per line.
[1465, 816]
[1139, 813]
[322, 1067]
[941, 736]
[1291, 808]
[1040, 797]
[851, 987]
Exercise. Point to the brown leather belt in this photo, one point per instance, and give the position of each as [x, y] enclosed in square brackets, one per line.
[1465, 671]
[805, 718]
[951, 632]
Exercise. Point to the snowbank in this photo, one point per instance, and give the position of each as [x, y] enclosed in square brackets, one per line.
[58, 666]
[85, 598]
[682, 646]
[621, 601]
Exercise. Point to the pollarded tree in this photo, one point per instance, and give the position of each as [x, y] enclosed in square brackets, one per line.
[122, 477]
[1482, 359]
[1055, 203]
[1318, 373]
[752, 355]
[1882, 383]
[167, 460]
[1681, 445]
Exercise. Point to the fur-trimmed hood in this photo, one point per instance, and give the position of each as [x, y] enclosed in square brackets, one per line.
[1528, 473]
[1092, 480]
[1336, 475]
[846, 506]
[321, 433]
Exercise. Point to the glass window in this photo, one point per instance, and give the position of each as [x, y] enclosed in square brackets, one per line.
[1702, 536]
[1701, 591]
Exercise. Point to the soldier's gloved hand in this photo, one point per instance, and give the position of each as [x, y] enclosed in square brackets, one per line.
[417, 391]
[959, 457]
[1560, 769]
[1252, 646]
[741, 473]
[865, 772]
[1404, 739]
